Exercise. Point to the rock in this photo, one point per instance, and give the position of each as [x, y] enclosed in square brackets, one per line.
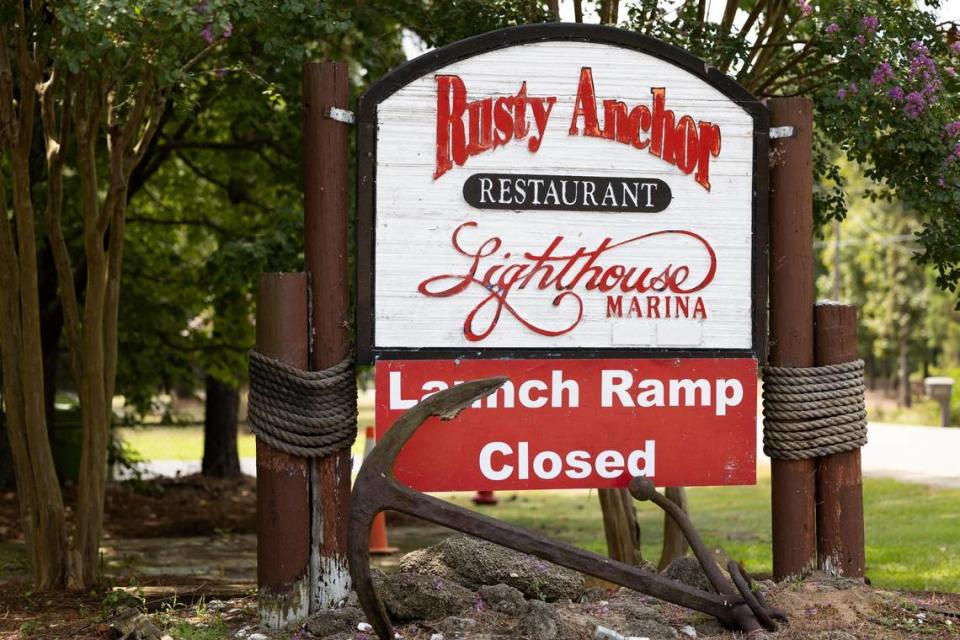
[649, 628]
[594, 594]
[687, 570]
[130, 624]
[688, 631]
[504, 599]
[640, 611]
[332, 621]
[456, 627]
[540, 623]
[257, 636]
[410, 596]
[708, 627]
[475, 563]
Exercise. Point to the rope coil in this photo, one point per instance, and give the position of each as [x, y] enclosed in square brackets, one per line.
[809, 412]
[304, 413]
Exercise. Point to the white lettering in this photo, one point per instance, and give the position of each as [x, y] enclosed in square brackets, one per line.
[487, 469]
[396, 398]
[615, 382]
[724, 400]
[527, 399]
[647, 456]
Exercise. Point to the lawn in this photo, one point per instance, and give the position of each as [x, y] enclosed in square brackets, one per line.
[186, 443]
[912, 530]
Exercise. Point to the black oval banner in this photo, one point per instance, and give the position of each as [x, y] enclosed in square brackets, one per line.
[566, 193]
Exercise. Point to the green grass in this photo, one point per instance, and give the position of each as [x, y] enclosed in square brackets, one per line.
[912, 531]
[186, 443]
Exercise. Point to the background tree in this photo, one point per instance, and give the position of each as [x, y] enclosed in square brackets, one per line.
[84, 87]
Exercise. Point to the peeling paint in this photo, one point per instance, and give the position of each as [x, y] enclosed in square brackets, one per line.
[279, 611]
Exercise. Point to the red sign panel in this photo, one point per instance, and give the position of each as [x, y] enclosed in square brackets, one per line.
[562, 424]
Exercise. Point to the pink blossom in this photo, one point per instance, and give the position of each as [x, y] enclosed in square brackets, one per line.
[915, 105]
[951, 72]
[207, 33]
[832, 28]
[805, 7]
[860, 39]
[882, 73]
[870, 24]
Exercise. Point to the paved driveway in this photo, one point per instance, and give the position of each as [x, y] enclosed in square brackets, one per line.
[929, 455]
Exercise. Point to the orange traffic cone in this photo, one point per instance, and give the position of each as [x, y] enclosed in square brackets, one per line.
[378, 530]
[484, 497]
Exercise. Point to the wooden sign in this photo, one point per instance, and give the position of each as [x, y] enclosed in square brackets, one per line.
[561, 190]
[560, 424]
[582, 210]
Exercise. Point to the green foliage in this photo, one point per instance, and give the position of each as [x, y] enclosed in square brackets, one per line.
[215, 630]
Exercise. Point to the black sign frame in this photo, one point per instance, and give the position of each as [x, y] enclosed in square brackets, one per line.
[367, 351]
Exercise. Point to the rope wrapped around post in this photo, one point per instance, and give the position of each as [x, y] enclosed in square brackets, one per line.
[810, 412]
[310, 414]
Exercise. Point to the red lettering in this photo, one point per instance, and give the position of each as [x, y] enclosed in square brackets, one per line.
[585, 106]
[709, 146]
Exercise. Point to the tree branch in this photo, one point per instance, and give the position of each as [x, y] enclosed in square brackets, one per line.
[56, 141]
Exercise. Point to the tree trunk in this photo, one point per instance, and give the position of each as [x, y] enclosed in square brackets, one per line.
[220, 457]
[903, 365]
[620, 525]
[674, 544]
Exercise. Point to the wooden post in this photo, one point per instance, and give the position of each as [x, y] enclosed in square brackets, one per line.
[283, 485]
[791, 321]
[840, 544]
[325, 85]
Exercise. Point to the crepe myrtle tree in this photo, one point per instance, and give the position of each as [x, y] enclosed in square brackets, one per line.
[883, 79]
[84, 87]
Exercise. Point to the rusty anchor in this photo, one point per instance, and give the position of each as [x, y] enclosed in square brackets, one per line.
[736, 606]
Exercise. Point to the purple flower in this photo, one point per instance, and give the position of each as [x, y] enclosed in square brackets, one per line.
[915, 105]
[870, 24]
[201, 8]
[896, 94]
[853, 88]
[832, 28]
[953, 129]
[918, 47]
[860, 39]
[207, 33]
[805, 7]
[479, 605]
[841, 93]
[955, 46]
[956, 151]
[882, 73]
[228, 30]
[951, 72]
[941, 182]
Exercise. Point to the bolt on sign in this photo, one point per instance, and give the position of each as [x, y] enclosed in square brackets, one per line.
[583, 210]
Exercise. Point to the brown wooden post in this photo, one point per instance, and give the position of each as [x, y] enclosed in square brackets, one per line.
[325, 85]
[840, 544]
[791, 320]
[283, 480]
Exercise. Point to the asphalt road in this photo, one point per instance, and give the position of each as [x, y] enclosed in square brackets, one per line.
[928, 455]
